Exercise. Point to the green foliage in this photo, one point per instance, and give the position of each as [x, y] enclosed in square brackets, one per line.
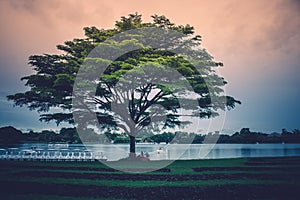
[10, 136]
[52, 84]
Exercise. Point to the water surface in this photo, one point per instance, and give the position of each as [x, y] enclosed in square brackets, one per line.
[184, 152]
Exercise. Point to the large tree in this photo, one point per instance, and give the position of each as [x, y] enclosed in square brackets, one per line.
[129, 94]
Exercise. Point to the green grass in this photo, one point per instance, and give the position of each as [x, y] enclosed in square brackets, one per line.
[280, 172]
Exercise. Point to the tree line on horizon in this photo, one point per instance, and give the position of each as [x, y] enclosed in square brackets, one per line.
[10, 135]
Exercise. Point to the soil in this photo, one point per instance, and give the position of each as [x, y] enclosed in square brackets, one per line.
[162, 192]
[151, 177]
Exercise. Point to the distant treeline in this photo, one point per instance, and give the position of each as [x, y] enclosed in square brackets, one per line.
[11, 135]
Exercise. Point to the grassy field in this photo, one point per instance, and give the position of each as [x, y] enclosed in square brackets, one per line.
[252, 178]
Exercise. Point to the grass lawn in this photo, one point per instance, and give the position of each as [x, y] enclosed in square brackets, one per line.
[242, 178]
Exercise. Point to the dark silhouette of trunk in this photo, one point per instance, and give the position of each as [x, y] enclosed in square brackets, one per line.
[132, 147]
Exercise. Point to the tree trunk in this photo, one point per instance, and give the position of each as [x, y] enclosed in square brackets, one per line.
[132, 147]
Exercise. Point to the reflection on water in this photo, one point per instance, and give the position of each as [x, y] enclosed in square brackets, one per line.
[193, 151]
[254, 150]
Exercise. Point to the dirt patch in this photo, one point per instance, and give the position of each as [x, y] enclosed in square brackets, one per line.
[152, 177]
[102, 169]
[285, 161]
[192, 193]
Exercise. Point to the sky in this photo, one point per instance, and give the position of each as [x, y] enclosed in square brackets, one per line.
[258, 42]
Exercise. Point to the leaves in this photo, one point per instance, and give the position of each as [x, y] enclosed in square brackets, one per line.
[133, 86]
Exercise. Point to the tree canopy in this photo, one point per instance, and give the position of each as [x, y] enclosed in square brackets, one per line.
[132, 92]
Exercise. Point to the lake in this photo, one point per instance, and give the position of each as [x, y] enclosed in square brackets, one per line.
[182, 151]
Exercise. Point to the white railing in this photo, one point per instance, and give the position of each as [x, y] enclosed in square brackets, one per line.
[51, 155]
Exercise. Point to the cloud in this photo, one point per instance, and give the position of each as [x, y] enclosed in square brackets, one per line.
[57, 11]
[36, 27]
[283, 30]
[30, 23]
[240, 27]
[257, 40]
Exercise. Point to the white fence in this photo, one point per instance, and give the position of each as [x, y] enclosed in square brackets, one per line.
[50, 155]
